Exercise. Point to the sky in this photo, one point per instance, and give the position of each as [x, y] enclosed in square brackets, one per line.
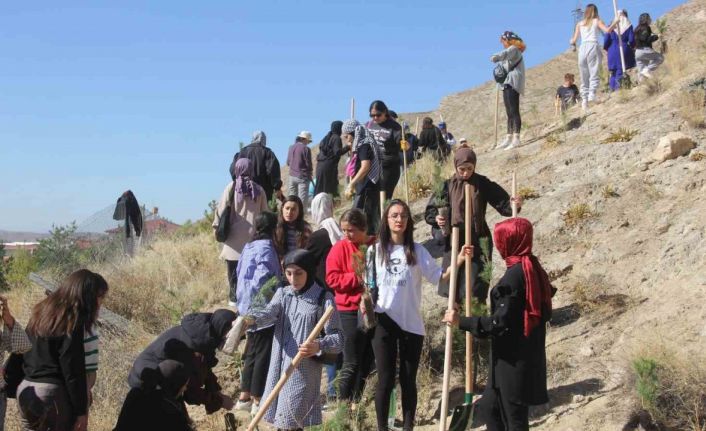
[100, 97]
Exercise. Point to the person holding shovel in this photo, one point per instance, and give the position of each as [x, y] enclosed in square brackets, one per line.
[396, 265]
[446, 209]
[521, 304]
[295, 311]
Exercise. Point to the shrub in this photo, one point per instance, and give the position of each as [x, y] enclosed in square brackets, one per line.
[551, 141]
[692, 107]
[654, 86]
[18, 268]
[425, 174]
[59, 254]
[697, 156]
[527, 193]
[577, 214]
[608, 191]
[202, 225]
[621, 135]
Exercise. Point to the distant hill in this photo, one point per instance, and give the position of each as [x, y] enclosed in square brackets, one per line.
[12, 236]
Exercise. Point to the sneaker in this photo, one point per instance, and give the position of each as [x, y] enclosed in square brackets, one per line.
[584, 105]
[646, 73]
[255, 408]
[244, 406]
[505, 143]
[515, 142]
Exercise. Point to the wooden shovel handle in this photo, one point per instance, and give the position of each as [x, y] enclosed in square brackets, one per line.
[469, 288]
[290, 369]
[449, 331]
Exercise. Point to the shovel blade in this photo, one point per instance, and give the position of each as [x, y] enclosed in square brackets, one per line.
[461, 417]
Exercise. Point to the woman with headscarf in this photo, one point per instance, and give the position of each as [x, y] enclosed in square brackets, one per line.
[159, 407]
[247, 199]
[365, 183]
[193, 343]
[320, 243]
[331, 149]
[623, 33]
[483, 192]
[513, 61]
[521, 304]
[295, 310]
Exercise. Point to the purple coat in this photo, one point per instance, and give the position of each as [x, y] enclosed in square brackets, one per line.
[610, 44]
[258, 263]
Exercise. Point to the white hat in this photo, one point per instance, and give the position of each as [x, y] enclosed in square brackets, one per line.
[304, 134]
[462, 140]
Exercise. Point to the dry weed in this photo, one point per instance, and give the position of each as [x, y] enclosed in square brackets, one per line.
[671, 386]
[692, 107]
[551, 141]
[697, 156]
[654, 86]
[621, 135]
[577, 214]
[421, 176]
[676, 64]
[609, 191]
[527, 193]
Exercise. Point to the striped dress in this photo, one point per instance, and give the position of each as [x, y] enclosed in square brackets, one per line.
[295, 316]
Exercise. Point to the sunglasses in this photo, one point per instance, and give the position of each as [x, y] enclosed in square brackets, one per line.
[376, 115]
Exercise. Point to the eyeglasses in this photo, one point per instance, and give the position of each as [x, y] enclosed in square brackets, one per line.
[376, 114]
[396, 216]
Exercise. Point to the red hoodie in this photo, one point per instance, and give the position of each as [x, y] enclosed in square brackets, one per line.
[341, 277]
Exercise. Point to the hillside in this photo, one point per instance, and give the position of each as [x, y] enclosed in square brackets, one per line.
[622, 236]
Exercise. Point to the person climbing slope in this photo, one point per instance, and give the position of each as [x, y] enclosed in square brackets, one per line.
[521, 305]
[612, 47]
[590, 54]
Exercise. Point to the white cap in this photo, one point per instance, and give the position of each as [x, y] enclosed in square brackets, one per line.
[304, 134]
[462, 140]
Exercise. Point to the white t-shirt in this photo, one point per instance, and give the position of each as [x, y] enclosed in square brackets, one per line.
[400, 286]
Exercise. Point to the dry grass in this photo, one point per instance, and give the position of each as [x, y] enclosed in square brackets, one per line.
[172, 277]
[421, 176]
[527, 193]
[623, 134]
[697, 156]
[692, 107]
[577, 214]
[551, 141]
[670, 386]
[676, 63]
[654, 86]
[608, 191]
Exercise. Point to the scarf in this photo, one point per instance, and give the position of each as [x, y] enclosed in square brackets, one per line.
[513, 240]
[322, 213]
[624, 23]
[244, 185]
[324, 145]
[259, 138]
[457, 198]
[362, 136]
[304, 260]
[173, 375]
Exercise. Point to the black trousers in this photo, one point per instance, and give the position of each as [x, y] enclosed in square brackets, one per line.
[389, 339]
[390, 177]
[232, 278]
[499, 414]
[368, 200]
[511, 98]
[256, 361]
[357, 357]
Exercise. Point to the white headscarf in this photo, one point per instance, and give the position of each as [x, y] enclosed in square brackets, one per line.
[624, 24]
[322, 213]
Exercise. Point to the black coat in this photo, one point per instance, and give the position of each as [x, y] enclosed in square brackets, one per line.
[266, 169]
[489, 193]
[433, 141]
[152, 410]
[127, 208]
[319, 245]
[518, 365]
[193, 344]
[330, 151]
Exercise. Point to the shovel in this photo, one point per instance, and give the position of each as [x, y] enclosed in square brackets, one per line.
[449, 332]
[288, 372]
[463, 414]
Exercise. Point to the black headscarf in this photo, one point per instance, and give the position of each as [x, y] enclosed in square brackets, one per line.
[306, 261]
[221, 322]
[173, 375]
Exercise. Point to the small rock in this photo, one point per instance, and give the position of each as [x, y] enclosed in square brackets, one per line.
[578, 398]
[587, 351]
[673, 145]
[663, 228]
[625, 224]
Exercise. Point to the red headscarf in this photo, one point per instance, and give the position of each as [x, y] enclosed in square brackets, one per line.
[513, 239]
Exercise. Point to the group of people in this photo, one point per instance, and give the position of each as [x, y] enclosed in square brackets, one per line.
[283, 272]
[626, 48]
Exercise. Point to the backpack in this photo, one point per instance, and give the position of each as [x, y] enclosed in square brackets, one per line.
[500, 73]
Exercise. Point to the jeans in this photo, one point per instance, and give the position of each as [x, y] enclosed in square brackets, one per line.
[389, 339]
[357, 357]
[511, 98]
[300, 187]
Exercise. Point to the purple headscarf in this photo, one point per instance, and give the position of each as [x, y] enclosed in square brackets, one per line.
[244, 185]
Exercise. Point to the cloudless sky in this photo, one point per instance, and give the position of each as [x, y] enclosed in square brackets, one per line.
[98, 98]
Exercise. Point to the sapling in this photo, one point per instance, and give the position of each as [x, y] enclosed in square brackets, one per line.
[440, 200]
